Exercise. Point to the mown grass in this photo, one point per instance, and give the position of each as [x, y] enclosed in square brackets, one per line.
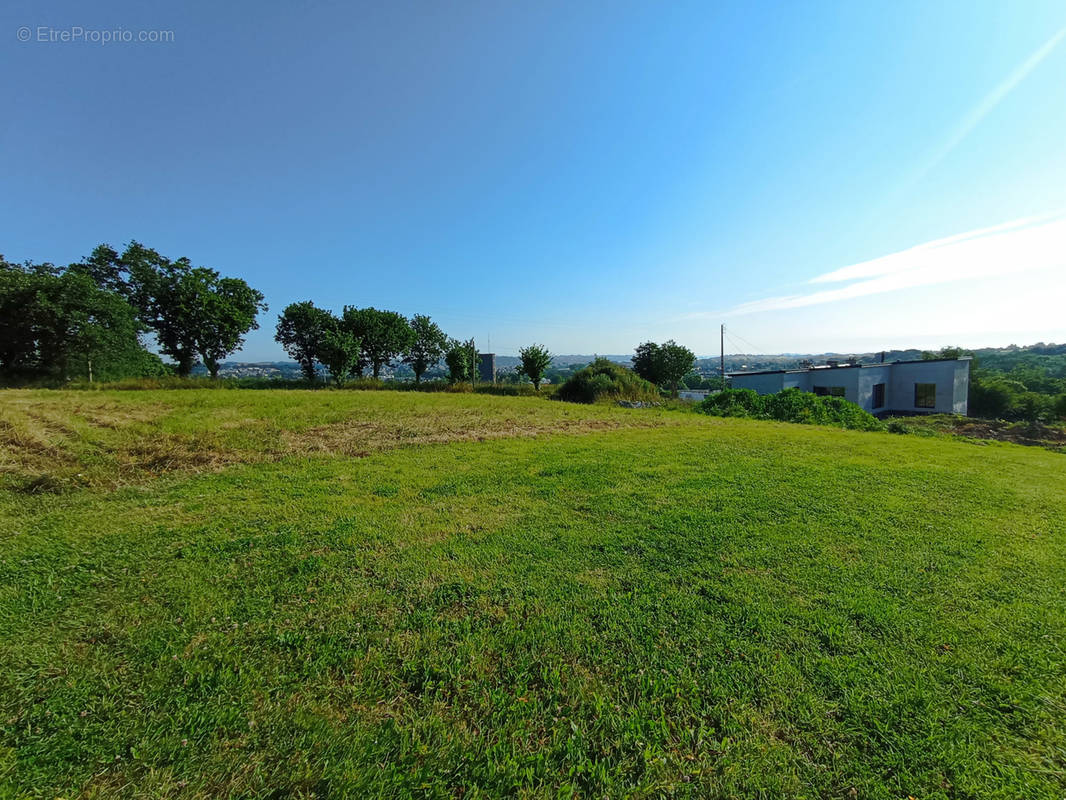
[55, 440]
[699, 608]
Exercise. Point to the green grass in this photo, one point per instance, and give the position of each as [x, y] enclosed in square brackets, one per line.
[54, 440]
[591, 602]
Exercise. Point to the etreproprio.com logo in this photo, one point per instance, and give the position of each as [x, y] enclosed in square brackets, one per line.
[76, 34]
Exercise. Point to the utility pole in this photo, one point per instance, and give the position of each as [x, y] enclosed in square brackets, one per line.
[722, 362]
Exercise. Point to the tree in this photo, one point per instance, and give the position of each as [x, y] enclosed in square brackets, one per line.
[535, 360]
[459, 358]
[665, 364]
[384, 336]
[59, 324]
[301, 330]
[693, 381]
[339, 351]
[107, 269]
[427, 345]
[193, 311]
[647, 362]
[1060, 406]
[677, 362]
[226, 310]
[943, 352]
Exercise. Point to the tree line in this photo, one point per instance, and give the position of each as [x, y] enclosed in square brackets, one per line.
[89, 318]
[1018, 384]
[362, 340]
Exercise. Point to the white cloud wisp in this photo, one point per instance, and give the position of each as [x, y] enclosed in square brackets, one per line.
[1024, 245]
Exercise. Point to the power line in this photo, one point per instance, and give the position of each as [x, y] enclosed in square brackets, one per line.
[755, 348]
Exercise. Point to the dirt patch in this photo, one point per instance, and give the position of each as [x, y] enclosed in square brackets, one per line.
[169, 452]
[362, 438]
[1034, 434]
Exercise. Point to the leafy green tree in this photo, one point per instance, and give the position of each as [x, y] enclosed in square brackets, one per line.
[301, 330]
[384, 336]
[460, 360]
[59, 324]
[107, 269]
[193, 311]
[427, 346]
[18, 340]
[693, 381]
[665, 364]
[339, 351]
[1060, 406]
[648, 363]
[535, 360]
[943, 352]
[226, 310]
[677, 361]
[992, 397]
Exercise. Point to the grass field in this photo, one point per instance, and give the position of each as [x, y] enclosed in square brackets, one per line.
[375, 594]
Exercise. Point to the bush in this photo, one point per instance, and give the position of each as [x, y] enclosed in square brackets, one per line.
[790, 405]
[604, 380]
[734, 403]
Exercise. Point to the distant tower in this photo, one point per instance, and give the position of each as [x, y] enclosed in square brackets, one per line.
[486, 367]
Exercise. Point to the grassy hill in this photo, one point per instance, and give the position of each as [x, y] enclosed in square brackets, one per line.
[332, 594]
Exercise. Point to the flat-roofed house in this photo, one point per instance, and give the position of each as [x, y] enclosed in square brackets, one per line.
[939, 386]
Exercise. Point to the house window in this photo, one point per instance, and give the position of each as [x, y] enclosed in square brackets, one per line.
[830, 391]
[878, 399]
[925, 395]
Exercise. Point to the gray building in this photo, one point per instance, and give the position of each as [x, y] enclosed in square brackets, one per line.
[486, 367]
[940, 386]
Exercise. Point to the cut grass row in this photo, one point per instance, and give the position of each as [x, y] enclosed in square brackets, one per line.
[53, 440]
[707, 608]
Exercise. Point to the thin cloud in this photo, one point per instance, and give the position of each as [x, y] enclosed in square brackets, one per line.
[1021, 246]
[989, 103]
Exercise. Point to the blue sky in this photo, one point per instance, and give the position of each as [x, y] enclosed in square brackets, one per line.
[587, 175]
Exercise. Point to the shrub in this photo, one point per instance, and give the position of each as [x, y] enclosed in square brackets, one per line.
[606, 380]
[790, 405]
[794, 405]
[734, 403]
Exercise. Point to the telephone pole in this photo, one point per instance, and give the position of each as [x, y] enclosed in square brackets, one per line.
[722, 362]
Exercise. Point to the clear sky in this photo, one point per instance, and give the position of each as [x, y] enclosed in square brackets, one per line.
[845, 177]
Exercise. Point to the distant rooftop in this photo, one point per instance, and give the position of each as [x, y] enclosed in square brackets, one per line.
[818, 367]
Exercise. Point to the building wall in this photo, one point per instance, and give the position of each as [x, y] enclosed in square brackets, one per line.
[961, 400]
[692, 394]
[870, 377]
[846, 377]
[952, 379]
[763, 383]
